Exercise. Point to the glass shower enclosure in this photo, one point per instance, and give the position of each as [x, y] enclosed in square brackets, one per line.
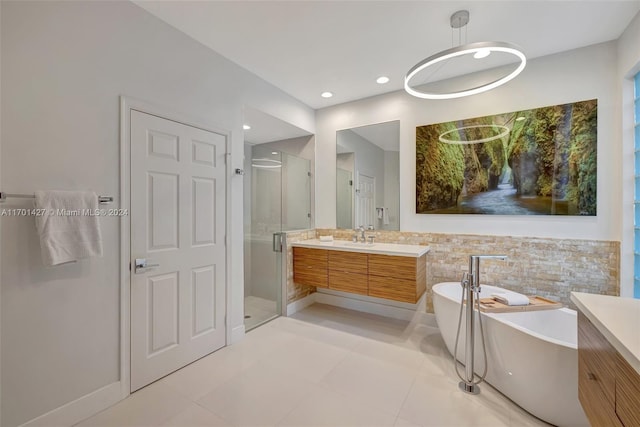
[277, 199]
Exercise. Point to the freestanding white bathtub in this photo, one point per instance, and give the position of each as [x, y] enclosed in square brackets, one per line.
[532, 356]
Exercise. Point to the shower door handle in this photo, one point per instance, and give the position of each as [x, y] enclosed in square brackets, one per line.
[276, 242]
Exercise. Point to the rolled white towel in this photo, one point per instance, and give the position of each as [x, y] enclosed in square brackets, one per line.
[510, 298]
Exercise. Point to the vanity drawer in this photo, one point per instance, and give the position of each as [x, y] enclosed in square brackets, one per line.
[310, 267]
[599, 410]
[309, 256]
[401, 267]
[627, 393]
[356, 283]
[309, 275]
[597, 359]
[392, 288]
[352, 262]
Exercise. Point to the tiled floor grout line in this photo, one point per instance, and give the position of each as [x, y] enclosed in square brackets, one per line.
[284, 417]
[406, 397]
[214, 413]
[401, 365]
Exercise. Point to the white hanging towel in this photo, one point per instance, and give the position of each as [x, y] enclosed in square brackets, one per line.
[385, 216]
[510, 298]
[68, 228]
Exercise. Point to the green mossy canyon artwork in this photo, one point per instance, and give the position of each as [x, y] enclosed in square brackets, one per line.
[534, 162]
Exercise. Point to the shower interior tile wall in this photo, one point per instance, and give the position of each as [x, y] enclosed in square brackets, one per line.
[546, 267]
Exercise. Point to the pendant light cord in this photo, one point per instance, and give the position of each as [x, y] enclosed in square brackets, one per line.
[435, 63]
[460, 26]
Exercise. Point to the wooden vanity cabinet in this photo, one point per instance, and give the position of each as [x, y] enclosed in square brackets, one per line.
[627, 393]
[310, 267]
[596, 374]
[608, 387]
[397, 278]
[348, 272]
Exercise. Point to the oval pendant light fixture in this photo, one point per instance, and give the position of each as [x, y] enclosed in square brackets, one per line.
[479, 50]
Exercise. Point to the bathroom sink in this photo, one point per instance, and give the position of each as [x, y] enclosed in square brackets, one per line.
[359, 245]
[375, 248]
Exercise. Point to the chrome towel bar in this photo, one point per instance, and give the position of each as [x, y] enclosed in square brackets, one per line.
[3, 197]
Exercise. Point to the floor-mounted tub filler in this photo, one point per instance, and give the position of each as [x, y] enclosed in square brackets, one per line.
[532, 356]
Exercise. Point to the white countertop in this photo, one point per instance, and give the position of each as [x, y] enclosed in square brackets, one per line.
[376, 248]
[617, 318]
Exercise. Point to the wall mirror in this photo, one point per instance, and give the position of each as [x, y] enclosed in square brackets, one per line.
[368, 177]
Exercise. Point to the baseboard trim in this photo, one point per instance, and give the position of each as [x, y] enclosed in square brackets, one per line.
[345, 300]
[79, 409]
[301, 304]
[237, 334]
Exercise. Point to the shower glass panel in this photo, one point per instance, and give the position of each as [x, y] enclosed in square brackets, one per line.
[296, 193]
[277, 188]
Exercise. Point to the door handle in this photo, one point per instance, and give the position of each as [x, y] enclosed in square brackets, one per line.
[142, 265]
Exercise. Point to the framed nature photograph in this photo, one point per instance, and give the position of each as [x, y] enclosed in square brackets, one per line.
[541, 161]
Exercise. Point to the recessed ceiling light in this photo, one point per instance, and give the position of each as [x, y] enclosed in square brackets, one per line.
[482, 53]
[382, 80]
[275, 153]
[246, 127]
[521, 118]
[326, 94]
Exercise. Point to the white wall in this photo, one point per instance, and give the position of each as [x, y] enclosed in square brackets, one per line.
[567, 77]
[391, 187]
[64, 65]
[345, 196]
[628, 66]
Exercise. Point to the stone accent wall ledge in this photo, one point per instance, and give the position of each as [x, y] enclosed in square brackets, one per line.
[550, 268]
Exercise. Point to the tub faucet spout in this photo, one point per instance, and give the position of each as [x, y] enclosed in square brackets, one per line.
[471, 289]
[474, 268]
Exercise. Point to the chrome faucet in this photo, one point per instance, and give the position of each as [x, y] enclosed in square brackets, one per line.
[474, 268]
[363, 238]
[471, 285]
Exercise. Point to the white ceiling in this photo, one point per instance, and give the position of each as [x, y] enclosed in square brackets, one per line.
[307, 47]
[266, 128]
[384, 135]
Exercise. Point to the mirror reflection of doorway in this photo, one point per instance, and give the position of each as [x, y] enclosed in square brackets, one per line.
[365, 207]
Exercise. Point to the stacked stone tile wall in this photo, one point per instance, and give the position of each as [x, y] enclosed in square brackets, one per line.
[296, 291]
[551, 268]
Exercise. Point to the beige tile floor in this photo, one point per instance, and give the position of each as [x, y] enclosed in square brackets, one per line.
[325, 366]
[258, 310]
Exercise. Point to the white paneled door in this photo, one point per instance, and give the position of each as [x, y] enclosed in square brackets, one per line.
[177, 245]
[365, 207]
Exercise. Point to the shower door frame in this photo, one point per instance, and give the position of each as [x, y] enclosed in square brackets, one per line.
[269, 235]
[282, 233]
